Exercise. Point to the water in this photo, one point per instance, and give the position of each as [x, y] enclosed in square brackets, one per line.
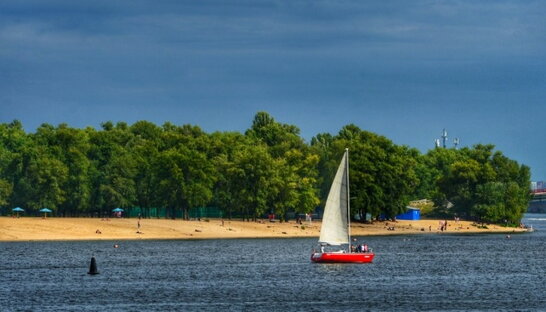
[409, 273]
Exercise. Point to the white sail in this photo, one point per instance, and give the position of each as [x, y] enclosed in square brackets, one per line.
[334, 230]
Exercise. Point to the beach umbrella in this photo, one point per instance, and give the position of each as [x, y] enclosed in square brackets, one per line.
[45, 211]
[117, 212]
[17, 210]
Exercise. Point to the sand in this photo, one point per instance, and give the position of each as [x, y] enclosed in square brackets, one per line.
[38, 229]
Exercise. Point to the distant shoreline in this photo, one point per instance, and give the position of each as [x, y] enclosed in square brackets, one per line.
[68, 229]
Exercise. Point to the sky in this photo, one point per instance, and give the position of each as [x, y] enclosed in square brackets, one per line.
[402, 69]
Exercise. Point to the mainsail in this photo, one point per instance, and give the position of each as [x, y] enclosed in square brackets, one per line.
[334, 229]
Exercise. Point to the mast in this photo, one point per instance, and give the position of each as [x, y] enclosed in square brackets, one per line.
[348, 201]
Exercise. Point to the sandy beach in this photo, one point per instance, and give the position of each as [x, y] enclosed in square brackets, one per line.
[38, 229]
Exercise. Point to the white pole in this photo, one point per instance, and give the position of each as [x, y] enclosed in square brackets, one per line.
[348, 200]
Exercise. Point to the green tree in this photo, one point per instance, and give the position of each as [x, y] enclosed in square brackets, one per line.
[294, 184]
[252, 177]
[6, 189]
[71, 147]
[268, 169]
[280, 138]
[185, 179]
[144, 148]
[46, 176]
[484, 184]
[223, 151]
[113, 169]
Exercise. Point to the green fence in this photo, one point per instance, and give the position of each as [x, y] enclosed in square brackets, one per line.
[162, 213]
[206, 212]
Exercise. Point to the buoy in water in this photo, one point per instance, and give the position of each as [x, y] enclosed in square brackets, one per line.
[93, 267]
[116, 246]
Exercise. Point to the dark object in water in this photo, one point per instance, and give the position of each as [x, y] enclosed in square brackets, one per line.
[93, 267]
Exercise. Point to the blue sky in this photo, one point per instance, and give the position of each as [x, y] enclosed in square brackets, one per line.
[403, 69]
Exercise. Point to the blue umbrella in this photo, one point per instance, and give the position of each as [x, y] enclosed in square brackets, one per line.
[45, 211]
[117, 210]
[17, 210]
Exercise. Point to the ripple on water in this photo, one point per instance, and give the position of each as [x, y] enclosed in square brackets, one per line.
[427, 272]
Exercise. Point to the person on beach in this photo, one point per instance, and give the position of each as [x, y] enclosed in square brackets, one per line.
[138, 226]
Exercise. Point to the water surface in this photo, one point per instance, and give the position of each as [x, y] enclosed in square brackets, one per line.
[409, 273]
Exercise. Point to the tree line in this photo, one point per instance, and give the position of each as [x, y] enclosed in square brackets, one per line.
[267, 169]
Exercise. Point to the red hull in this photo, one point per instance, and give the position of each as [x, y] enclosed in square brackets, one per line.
[334, 257]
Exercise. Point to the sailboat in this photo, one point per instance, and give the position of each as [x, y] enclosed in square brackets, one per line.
[335, 232]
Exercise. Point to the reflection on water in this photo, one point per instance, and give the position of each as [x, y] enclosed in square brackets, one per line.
[422, 272]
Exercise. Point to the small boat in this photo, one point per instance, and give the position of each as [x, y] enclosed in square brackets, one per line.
[335, 234]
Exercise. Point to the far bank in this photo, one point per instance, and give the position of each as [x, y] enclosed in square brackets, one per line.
[38, 229]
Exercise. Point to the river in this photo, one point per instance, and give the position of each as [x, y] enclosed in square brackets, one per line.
[410, 273]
